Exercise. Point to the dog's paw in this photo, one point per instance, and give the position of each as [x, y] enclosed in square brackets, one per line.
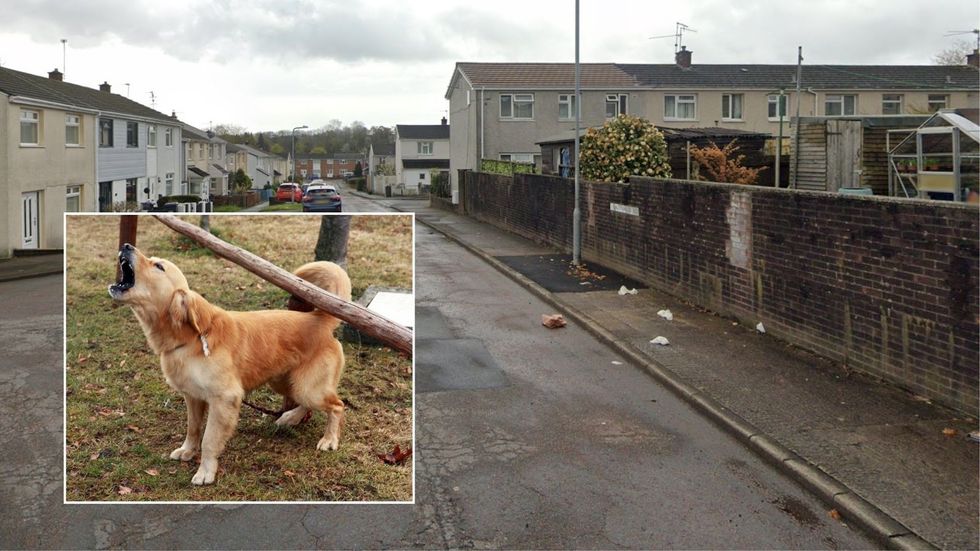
[183, 454]
[292, 417]
[327, 444]
[202, 477]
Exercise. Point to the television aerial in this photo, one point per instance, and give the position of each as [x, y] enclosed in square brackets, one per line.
[678, 36]
[974, 31]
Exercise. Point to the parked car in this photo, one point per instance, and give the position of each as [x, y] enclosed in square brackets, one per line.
[322, 199]
[289, 192]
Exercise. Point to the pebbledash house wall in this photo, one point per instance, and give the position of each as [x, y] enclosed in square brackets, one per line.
[886, 286]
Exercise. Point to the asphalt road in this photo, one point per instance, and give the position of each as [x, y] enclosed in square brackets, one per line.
[526, 438]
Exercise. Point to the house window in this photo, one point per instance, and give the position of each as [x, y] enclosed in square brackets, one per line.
[777, 106]
[837, 105]
[73, 197]
[169, 186]
[421, 176]
[517, 106]
[105, 133]
[30, 127]
[73, 132]
[425, 148]
[132, 134]
[566, 107]
[616, 105]
[731, 107]
[681, 107]
[891, 104]
[168, 137]
[937, 102]
[517, 157]
[151, 135]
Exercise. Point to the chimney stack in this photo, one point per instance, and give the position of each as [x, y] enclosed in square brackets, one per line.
[55, 75]
[683, 58]
[104, 87]
[173, 114]
[973, 59]
[444, 121]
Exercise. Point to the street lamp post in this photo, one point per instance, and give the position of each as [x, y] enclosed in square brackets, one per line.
[576, 213]
[294, 150]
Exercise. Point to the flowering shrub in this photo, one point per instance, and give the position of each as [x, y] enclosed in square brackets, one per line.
[623, 147]
[720, 164]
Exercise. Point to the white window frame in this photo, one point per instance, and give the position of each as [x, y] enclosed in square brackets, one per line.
[105, 124]
[151, 135]
[168, 137]
[676, 100]
[30, 117]
[73, 192]
[518, 157]
[892, 100]
[424, 148]
[567, 101]
[514, 100]
[774, 99]
[727, 101]
[620, 102]
[934, 104]
[169, 184]
[73, 121]
[841, 101]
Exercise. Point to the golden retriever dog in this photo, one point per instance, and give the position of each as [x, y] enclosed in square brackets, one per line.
[214, 356]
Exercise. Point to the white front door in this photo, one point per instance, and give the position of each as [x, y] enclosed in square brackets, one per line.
[29, 218]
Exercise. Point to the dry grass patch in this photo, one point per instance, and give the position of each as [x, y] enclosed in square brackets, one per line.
[123, 420]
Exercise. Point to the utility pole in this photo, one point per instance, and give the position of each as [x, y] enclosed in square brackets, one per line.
[64, 57]
[577, 214]
[781, 107]
[796, 129]
[294, 150]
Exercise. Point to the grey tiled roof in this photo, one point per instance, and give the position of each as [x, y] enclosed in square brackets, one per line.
[425, 163]
[423, 131]
[18, 83]
[617, 76]
[385, 149]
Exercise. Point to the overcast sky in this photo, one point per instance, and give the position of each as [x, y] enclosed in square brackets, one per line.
[276, 64]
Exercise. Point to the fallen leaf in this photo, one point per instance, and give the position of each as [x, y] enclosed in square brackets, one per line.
[94, 456]
[949, 432]
[152, 472]
[834, 514]
[82, 359]
[553, 321]
[123, 490]
[134, 428]
[396, 456]
[287, 472]
[122, 363]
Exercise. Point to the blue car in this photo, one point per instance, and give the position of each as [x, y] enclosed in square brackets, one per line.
[321, 199]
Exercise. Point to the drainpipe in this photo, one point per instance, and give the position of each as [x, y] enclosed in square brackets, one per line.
[796, 129]
[483, 92]
[576, 213]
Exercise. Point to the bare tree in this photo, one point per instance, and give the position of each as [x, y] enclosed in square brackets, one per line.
[332, 242]
[956, 55]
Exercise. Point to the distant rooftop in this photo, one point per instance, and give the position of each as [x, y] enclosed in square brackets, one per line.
[422, 131]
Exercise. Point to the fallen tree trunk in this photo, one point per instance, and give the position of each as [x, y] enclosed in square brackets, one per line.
[361, 318]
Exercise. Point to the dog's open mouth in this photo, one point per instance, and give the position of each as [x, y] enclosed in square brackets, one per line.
[127, 274]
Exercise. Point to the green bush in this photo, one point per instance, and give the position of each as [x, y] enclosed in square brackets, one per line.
[507, 168]
[360, 184]
[623, 147]
[440, 184]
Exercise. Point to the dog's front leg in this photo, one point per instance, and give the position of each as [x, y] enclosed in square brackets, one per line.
[195, 418]
[222, 418]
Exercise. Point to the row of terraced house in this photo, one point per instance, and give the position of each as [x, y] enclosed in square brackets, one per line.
[71, 148]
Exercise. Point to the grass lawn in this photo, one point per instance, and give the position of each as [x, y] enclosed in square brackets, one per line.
[227, 208]
[123, 420]
[284, 207]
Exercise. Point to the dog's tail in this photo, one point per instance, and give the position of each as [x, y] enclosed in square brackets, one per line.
[327, 276]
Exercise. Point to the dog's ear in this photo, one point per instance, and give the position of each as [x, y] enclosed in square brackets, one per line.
[188, 307]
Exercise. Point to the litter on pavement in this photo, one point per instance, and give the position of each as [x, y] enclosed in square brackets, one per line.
[624, 291]
[553, 321]
[666, 314]
[662, 341]
[760, 328]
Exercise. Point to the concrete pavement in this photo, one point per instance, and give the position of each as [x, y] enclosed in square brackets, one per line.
[20, 267]
[876, 454]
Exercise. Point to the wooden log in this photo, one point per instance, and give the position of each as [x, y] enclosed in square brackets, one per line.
[366, 321]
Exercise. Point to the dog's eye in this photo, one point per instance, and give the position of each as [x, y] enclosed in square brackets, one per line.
[160, 266]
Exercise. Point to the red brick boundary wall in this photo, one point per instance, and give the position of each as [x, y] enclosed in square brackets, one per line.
[886, 286]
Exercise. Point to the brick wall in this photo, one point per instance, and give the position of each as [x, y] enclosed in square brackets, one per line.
[886, 286]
